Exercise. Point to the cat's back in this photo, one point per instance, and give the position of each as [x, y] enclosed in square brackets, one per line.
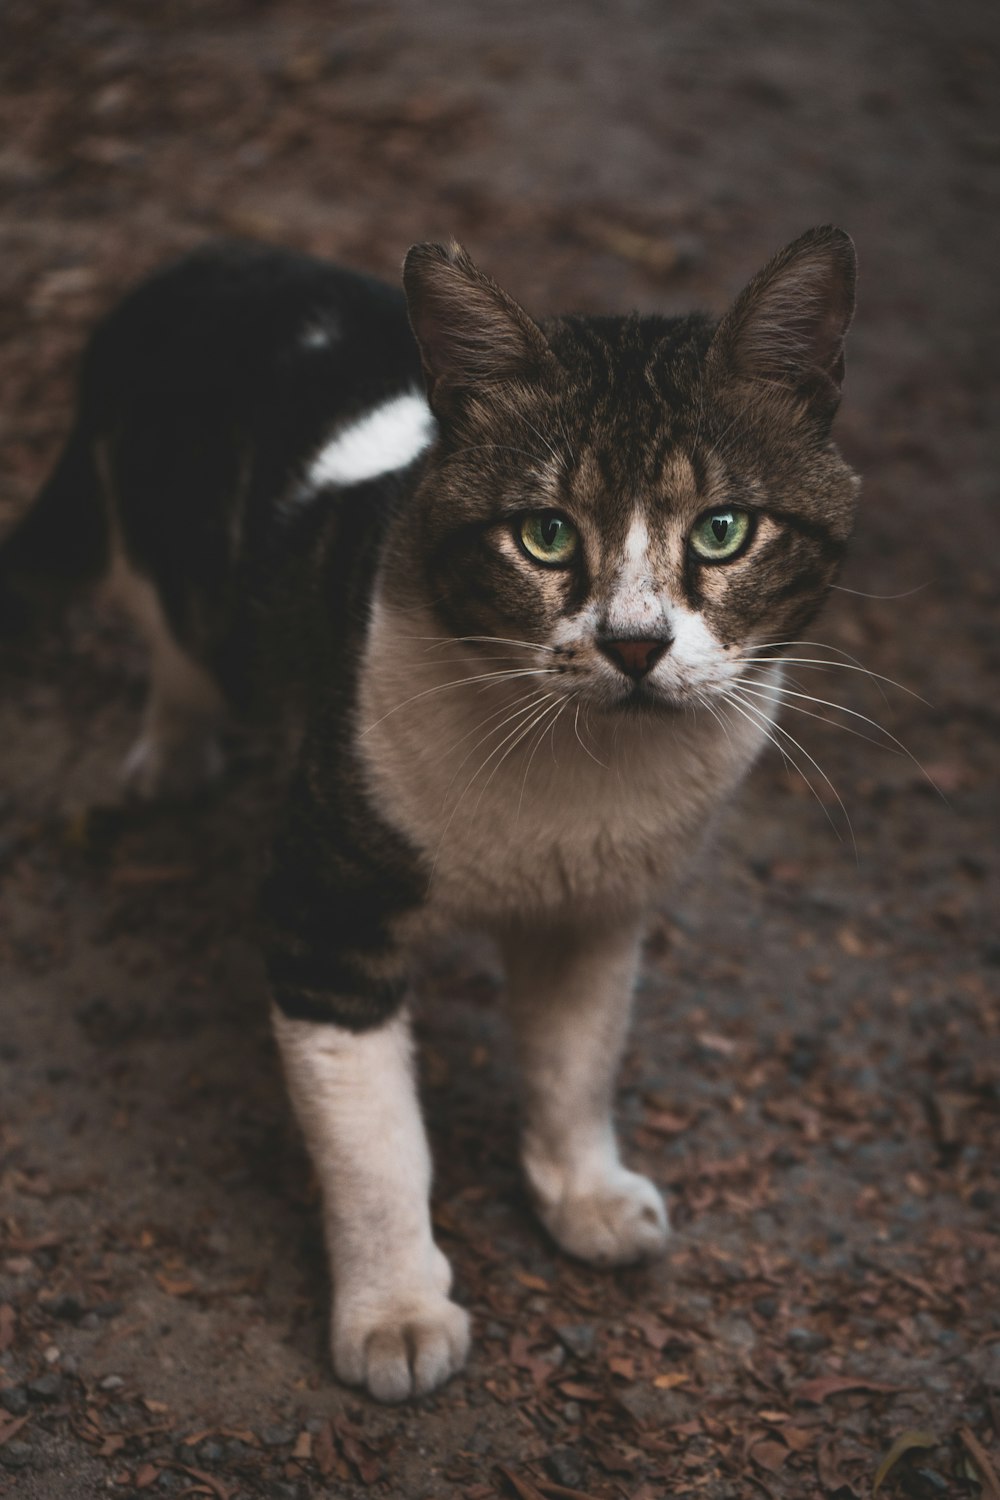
[250, 328]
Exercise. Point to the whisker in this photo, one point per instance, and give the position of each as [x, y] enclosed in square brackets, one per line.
[531, 693]
[534, 750]
[530, 700]
[500, 640]
[824, 719]
[542, 438]
[521, 733]
[907, 593]
[788, 760]
[837, 651]
[780, 729]
[703, 700]
[811, 661]
[576, 731]
[480, 447]
[441, 687]
[521, 715]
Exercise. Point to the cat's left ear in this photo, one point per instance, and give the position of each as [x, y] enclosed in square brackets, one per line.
[470, 333]
[787, 328]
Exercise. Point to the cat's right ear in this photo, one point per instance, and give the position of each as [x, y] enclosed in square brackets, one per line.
[787, 328]
[470, 333]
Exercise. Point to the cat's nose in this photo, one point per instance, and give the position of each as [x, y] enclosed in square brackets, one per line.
[634, 658]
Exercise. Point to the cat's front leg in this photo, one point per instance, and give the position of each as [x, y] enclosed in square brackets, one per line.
[570, 1000]
[393, 1327]
[337, 903]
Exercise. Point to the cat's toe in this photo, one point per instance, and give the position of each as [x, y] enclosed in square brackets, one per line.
[401, 1351]
[624, 1221]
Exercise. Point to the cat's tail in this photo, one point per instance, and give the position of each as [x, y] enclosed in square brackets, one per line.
[60, 544]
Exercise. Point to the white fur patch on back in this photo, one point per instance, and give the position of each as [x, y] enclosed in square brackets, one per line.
[320, 334]
[386, 438]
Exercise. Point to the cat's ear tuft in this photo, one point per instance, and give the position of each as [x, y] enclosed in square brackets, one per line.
[787, 328]
[470, 333]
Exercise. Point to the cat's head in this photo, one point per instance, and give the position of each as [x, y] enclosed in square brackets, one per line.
[643, 500]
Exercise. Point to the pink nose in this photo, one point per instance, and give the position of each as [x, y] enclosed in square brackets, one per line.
[634, 658]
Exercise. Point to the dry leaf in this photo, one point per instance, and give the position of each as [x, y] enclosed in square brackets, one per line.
[670, 1380]
[524, 1488]
[987, 1473]
[769, 1455]
[9, 1426]
[533, 1283]
[209, 1480]
[173, 1288]
[664, 1122]
[816, 1391]
[903, 1444]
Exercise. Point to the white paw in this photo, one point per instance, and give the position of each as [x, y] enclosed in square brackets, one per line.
[399, 1346]
[158, 766]
[623, 1220]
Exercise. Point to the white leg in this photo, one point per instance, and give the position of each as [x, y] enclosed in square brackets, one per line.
[570, 998]
[178, 749]
[394, 1328]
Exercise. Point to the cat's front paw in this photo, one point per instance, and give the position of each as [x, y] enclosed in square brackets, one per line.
[399, 1346]
[622, 1221]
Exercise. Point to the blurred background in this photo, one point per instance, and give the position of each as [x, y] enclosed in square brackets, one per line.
[815, 1075]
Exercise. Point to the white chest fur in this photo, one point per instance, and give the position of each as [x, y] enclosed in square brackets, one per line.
[518, 801]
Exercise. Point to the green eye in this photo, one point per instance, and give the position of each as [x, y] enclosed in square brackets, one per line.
[549, 538]
[720, 534]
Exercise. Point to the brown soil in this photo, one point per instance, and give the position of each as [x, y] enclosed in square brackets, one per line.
[814, 1076]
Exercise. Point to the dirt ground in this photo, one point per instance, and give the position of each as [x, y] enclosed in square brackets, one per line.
[814, 1076]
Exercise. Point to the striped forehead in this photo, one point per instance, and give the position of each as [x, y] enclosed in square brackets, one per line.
[645, 535]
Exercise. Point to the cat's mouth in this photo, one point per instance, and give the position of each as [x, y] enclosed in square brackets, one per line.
[645, 700]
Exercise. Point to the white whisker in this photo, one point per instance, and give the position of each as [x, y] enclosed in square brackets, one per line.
[906, 594]
[766, 725]
[521, 733]
[812, 661]
[576, 731]
[900, 748]
[508, 675]
[534, 750]
[500, 640]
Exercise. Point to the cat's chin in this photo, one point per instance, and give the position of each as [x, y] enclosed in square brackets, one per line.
[640, 702]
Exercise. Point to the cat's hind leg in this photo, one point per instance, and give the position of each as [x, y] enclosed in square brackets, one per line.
[178, 751]
[570, 1000]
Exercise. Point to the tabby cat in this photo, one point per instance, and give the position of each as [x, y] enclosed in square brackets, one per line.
[523, 590]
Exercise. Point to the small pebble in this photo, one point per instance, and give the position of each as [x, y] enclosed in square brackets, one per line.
[277, 1437]
[110, 1383]
[577, 1338]
[51, 1355]
[68, 1308]
[15, 1454]
[15, 1400]
[567, 1468]
[45, 1388]
[807, 1340]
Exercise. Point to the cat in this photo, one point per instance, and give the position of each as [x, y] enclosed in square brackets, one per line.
[523, 588]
